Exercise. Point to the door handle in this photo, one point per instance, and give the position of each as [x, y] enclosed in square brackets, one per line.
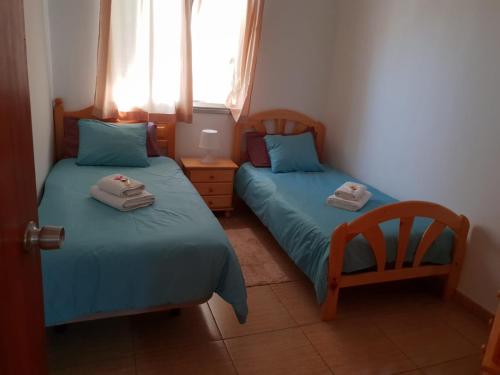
[46, 238]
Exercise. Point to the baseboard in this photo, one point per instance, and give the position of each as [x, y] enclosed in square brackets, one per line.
[472, 306]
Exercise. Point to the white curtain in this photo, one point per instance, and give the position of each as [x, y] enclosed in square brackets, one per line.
[144, 57]
[240, 96]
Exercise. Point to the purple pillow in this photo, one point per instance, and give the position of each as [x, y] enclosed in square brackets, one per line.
[152, 140]
[71, 138]
[257, 150]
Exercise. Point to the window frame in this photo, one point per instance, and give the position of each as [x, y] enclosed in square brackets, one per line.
[215, 108]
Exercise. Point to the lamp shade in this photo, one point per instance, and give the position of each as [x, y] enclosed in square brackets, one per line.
[209, 139]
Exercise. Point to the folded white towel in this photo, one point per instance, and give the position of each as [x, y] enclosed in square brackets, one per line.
[120, 185]
[142, 199]
[346, 204]
[351, 191]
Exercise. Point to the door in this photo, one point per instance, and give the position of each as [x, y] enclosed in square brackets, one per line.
[22, 346]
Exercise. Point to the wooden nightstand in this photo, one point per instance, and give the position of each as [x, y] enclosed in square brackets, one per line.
[213, 181]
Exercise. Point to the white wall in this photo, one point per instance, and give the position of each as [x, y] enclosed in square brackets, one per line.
[294, 60]
[290, 69]
[414, 109]
[37, 48]
[74, 30]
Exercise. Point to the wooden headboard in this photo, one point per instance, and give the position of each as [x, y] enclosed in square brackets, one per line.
[165, 126]
[276, 121]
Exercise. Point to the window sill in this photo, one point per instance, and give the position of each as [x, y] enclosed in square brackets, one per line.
[201, 107]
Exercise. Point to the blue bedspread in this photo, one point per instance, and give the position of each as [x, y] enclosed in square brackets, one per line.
[173, 252]
[292, 206]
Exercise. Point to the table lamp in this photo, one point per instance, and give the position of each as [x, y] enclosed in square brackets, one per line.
[209, 141]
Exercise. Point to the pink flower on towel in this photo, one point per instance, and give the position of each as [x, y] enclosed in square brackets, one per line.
[123, 179]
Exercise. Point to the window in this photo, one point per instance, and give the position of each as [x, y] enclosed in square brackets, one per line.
[216, 31]
[149, 48]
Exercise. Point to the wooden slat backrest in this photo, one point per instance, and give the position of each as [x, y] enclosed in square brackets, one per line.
[368, 226]
[165, 126]
[432, 232]
[375, 238]
[405, 225]
[280, 118]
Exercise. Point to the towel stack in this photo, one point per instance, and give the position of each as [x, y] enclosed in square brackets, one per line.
[121, 192]
[350, 196]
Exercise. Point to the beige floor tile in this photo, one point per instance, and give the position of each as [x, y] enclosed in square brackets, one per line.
[382, 299]
[470, 326]
[279, 352]
[156, 330]
[465, 366]
[299, 299]
[415, 320]
[433, 344]
[201, 358]
[119, 366]
[89, 342]
[265, 313]
[354, 346]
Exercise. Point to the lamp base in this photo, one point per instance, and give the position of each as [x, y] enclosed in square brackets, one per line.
[208, 159]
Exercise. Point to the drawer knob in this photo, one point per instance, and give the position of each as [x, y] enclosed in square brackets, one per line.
[212, 177]
[210, 203]
[210, 190]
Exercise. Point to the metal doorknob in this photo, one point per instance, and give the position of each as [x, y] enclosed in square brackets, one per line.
[46, 238]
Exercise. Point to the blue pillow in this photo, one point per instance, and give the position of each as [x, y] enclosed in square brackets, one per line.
[289, 153]
[102, 143]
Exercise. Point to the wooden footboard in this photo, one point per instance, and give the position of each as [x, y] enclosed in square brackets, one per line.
[368, 226]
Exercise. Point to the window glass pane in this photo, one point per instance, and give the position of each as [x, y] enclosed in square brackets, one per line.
[216, 31]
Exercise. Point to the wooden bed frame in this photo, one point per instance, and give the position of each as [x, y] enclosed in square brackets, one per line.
[166, 142]
[367, 225]
[165, 126]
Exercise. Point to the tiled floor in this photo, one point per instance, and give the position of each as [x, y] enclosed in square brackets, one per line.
[389, 329]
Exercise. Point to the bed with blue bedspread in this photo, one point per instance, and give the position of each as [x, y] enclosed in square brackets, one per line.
[172, 253]
[293, 207]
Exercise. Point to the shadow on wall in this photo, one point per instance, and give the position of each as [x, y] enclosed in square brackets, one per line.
[356, 50]
[480, 275]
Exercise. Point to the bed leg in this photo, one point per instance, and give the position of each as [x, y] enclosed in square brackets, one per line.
[329, 308]
[450, 286]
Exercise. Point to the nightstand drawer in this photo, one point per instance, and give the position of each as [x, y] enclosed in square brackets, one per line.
[218, 201]
[212, 175]
[214, 188]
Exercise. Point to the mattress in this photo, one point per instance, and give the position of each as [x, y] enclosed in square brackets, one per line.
[293, 207]
[174, 252]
